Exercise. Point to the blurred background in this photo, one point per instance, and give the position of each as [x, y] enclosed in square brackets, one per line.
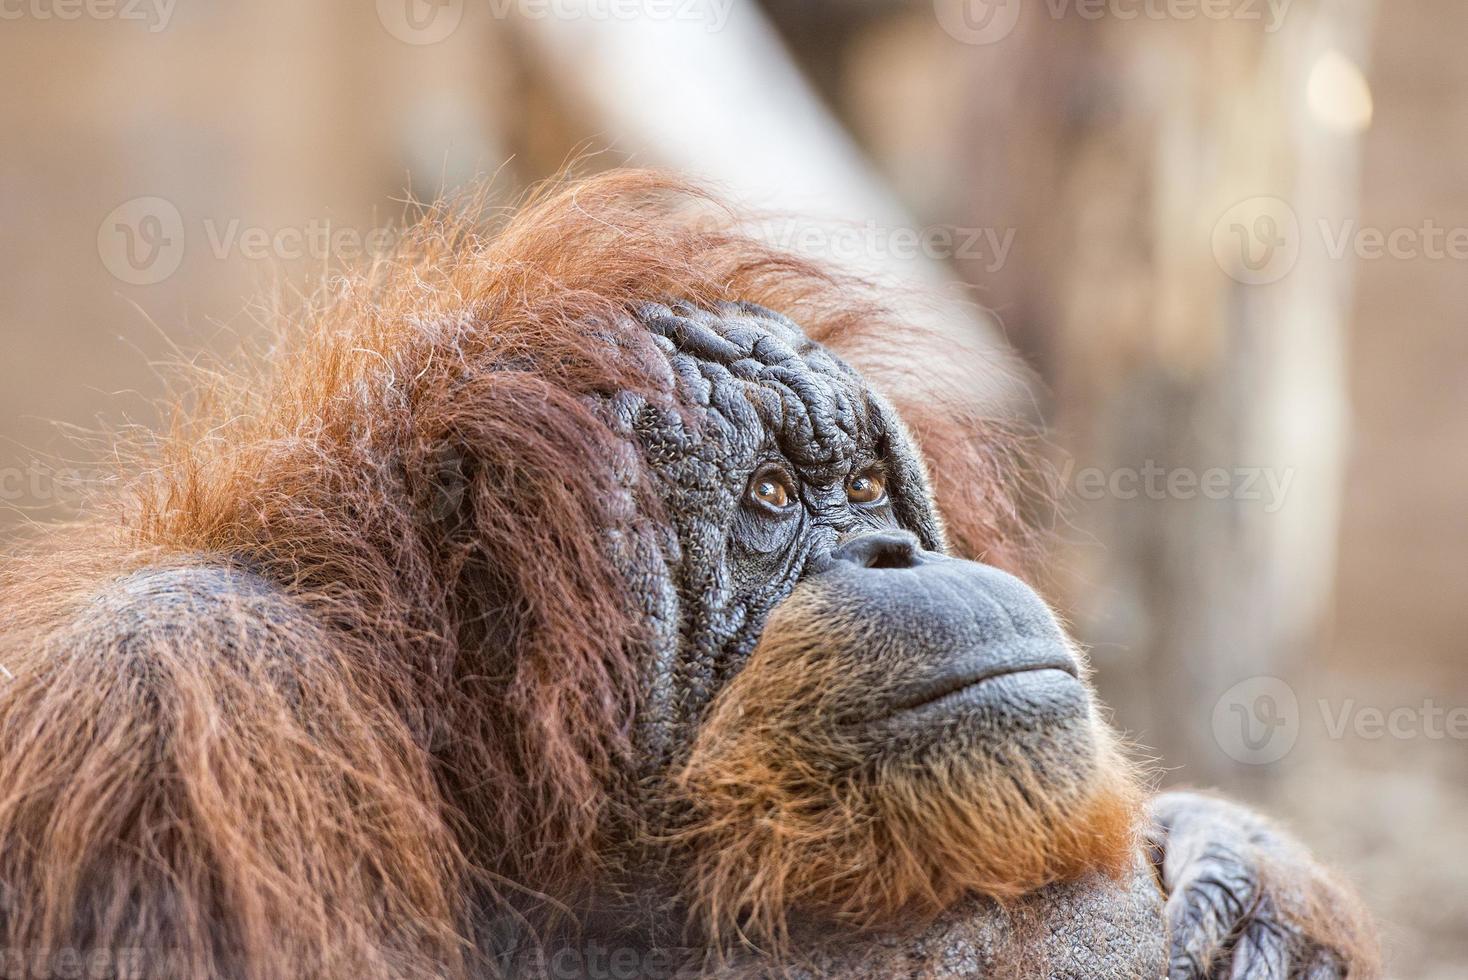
[1229, 238]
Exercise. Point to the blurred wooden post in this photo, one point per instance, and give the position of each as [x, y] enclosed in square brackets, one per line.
[1172, 174]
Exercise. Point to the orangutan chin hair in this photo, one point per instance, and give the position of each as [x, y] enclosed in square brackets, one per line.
[793, 811]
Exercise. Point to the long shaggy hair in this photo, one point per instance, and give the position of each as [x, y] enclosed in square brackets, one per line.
[431, 697]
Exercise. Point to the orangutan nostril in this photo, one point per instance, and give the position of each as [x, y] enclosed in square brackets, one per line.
[881, 549]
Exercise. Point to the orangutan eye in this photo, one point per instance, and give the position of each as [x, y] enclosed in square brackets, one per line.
[770, 488]
[867, 487]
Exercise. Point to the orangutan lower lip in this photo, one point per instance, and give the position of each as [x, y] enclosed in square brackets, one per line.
[959, 684]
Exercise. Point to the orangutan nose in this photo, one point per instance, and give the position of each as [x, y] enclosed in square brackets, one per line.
[882, 549]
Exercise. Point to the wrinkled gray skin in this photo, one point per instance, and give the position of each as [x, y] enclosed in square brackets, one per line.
[747, 389]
